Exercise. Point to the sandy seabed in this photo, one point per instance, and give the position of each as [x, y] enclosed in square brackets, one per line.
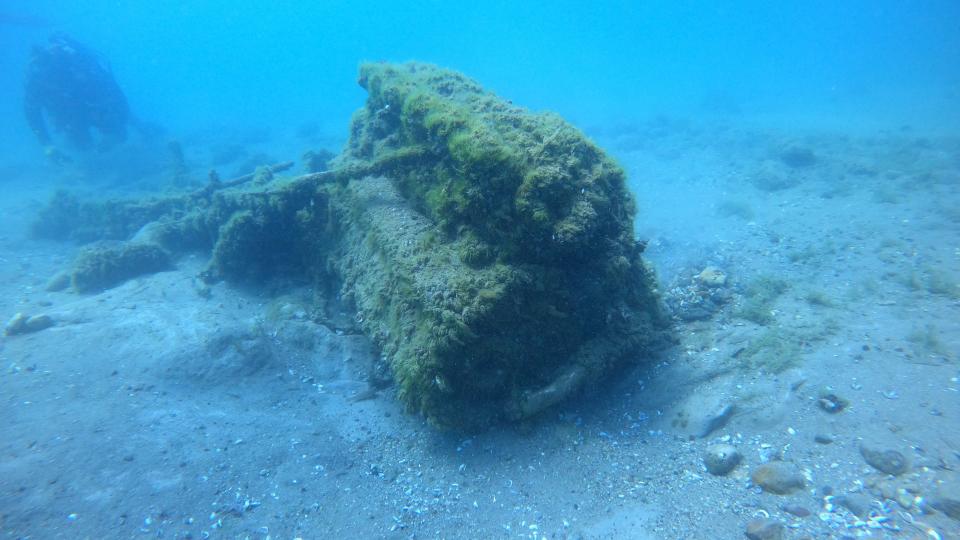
[162, 409]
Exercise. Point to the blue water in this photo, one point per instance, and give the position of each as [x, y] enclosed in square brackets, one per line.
[199, 67]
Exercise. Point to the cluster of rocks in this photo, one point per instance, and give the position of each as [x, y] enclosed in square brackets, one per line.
[21, 323]
[698, 297]
[897, 484]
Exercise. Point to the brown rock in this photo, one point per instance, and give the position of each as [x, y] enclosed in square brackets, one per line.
[719, 459]
[796, 510]
[59, 282]
[858, 504]
[712, 276]
[16, 324]
[22, 323]
[884, 460]
[778, 477]
[764, 529]
[947, 498]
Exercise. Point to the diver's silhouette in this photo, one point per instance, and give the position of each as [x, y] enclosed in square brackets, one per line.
[72, 88]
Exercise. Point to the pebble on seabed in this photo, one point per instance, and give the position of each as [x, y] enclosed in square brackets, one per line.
[857, 503]
[778, 477]
[796, 510]
[947, 497]
[832, 403]
[720, 459]
[764, 529]
[712, 276]
[884, 460]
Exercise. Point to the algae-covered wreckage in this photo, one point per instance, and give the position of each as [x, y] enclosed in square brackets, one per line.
[488, 251]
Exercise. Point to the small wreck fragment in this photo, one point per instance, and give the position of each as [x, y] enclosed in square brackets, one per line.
[488, 251]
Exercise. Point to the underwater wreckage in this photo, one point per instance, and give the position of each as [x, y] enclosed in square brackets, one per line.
[488, 251]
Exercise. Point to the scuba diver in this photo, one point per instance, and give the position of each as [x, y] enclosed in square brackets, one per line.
[72, 88]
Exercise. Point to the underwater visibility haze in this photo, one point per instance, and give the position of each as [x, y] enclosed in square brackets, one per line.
[480, 270]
